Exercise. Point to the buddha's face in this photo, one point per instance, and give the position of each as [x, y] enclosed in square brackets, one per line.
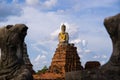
[63, 28]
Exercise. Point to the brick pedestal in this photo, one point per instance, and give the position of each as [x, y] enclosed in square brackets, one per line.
[65, 59]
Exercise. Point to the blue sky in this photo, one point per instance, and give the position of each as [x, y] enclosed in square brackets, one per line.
[83, 18]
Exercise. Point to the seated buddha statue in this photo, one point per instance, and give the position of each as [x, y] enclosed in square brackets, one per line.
[63, 36]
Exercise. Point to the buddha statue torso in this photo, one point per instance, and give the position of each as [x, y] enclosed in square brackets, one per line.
[63, 36]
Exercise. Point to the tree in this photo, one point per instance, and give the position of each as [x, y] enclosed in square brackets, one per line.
[43, 70]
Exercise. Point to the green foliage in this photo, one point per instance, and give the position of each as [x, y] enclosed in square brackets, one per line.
[43, 70]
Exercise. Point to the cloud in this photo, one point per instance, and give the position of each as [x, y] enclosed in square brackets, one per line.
[32, 2]
[14, 1]
[103, 62]
[84, 43]
[50, 3]
[82, 47]
[76, 41]
[82, 5]
[54, 35]
[100, 56]
[96, 56]
[38, 22]
[7, 10]
[41, 5]
[87, 51]
[72, 28]
[104, 56]
[42, 46]
[85, 30]
[39, 62]
[35, 47]
[39, 57]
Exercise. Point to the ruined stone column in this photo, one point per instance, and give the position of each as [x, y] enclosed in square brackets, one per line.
[12, 63]
[112, 67]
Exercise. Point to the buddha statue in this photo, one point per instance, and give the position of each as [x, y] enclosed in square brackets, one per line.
[63, 36]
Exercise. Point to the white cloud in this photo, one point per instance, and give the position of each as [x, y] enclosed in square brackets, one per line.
[104, 56]
[43, 57]
[14, 1]
[72, 28]
[46, 4]
[102, 62]
[76, 41]
[35, 47]
[39, 62]
[82, 5]
[84, 43]
[7, 10]
[82, 46]
[32, 2]
[42, 46]
[87, 51]
[45, 26]
[44, 52]
[96, 56]
[100, 57]
[39, 22]
[54, 35]
[40, 58]
[50, 3]
[37, 58]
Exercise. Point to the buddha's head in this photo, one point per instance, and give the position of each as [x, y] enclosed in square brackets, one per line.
[63, 28]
